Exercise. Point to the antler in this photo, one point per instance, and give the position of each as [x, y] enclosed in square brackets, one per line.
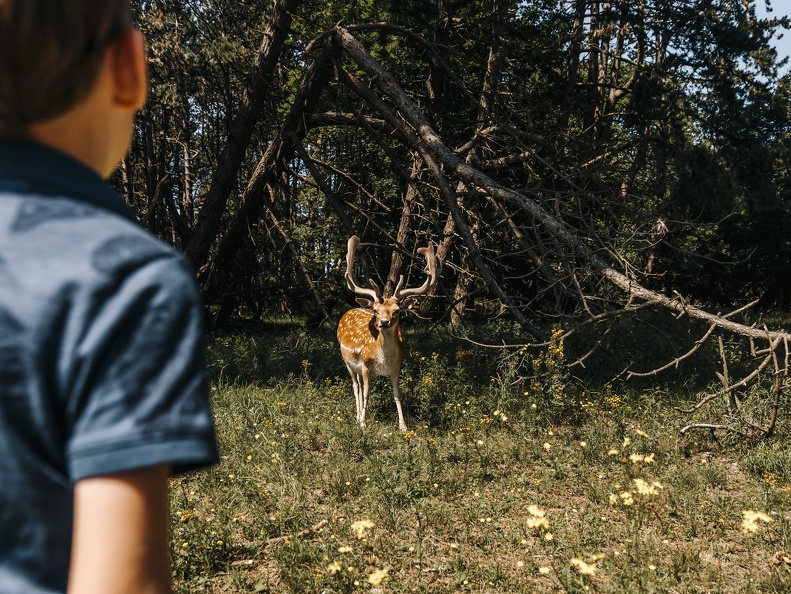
[373, 294]
[433, 269]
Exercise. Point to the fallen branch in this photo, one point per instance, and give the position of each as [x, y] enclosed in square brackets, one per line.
[675, 362]
[305, 532]
[277, 540]
[430, 143]
[568, 246]
[711, 427]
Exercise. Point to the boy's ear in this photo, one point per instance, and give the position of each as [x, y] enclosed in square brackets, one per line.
[130, 79]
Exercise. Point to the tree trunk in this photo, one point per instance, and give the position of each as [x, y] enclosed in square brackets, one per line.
[444, 162]
[269, 167]
[405, 228]
[208, 224]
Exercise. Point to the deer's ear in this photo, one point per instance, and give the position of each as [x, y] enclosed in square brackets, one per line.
[409, 302]
[364, 302]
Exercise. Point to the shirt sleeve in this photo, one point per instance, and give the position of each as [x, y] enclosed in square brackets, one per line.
[139, 393]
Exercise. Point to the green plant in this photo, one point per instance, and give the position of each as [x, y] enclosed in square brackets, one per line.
[450, 501]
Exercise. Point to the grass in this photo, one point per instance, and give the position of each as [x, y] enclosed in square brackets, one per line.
[512, 478]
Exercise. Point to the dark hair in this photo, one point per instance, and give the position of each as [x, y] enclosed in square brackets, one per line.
[50, 53]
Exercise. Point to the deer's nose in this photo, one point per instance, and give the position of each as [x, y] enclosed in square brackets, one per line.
[384, 323]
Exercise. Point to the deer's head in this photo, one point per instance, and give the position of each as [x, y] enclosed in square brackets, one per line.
[387, 310]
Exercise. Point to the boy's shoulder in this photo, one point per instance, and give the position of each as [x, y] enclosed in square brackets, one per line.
[61, 218]
[31, 169]
[58, 237]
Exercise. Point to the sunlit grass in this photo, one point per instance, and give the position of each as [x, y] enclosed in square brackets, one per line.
[499, 486]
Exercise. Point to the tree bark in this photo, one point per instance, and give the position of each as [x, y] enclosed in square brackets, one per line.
[405, 227]
[269, 167]
[214, 205]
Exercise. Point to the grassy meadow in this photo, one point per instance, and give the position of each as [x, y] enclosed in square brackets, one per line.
[514, 477]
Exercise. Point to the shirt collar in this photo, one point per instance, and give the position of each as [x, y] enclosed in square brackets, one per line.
[34, 168]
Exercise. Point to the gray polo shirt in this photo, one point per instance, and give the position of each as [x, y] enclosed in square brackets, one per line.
[102, 356]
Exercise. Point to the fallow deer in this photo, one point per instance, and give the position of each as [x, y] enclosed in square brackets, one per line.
[370, 337]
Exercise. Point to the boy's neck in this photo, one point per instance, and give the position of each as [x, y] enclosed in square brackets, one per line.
[97, 131]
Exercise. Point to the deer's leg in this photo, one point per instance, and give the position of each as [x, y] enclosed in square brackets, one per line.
[397, 398]
[358, 395]
[366, 388]
[357, 389]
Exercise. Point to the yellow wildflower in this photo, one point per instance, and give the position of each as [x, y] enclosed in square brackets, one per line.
[751, 518]
[378, 576]
[584, 568]
[537, 520]
[536, 511]
[644, 488]
[360, 526]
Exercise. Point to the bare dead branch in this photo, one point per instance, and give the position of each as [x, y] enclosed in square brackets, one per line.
[431, 146]
[780, 381]
[712, 427]
[278, 539]
[675, 362]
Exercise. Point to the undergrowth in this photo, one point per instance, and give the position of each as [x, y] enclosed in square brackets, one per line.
[513, 477]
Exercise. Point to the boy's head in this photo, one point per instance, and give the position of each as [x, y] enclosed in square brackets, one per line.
[55, 56]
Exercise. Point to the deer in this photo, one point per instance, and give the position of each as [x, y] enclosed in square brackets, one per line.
[370, 336]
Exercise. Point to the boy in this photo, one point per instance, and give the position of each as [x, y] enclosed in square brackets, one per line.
[102, 379]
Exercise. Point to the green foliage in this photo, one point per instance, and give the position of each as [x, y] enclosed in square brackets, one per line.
[486, 493]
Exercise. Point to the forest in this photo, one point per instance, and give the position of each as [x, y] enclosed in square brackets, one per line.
[596, 386]
[615, 169]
